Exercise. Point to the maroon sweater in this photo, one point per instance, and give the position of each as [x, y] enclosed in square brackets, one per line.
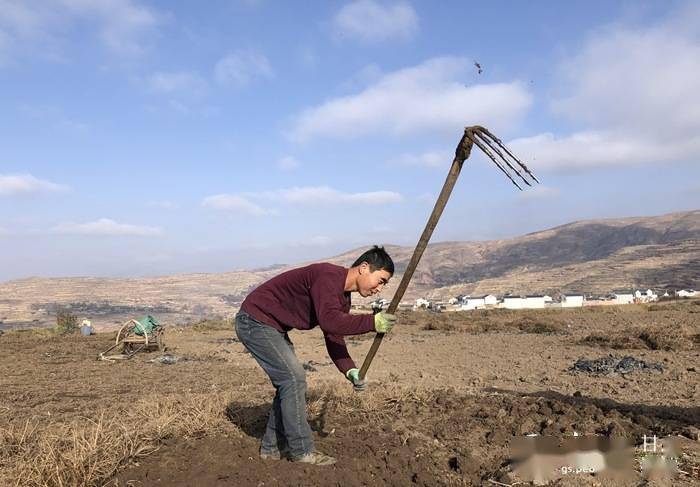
[307, 297]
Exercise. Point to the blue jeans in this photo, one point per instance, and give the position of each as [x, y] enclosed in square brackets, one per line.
[287, 426]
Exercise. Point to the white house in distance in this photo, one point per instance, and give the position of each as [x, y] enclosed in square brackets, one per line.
[645, 296]
[422, 303]
[534, 301]
[573, 300]
[476, 302]
[686, 293]
[513, 302]
[623, 297]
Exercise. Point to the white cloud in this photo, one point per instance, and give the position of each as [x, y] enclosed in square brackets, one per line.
[106, 227]
[431, 159]
[538, 193]
[242, 67]
[324, 196]
[121, 25]
[22, 19]
[369, 21]
[599, 148]
[638, 88]
[430, 96]
[288, 163]
[21, 23]
[312, 195]
[181, 82]
[26, 184]
[235, 204]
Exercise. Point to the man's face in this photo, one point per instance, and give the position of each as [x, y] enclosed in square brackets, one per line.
[370, 283]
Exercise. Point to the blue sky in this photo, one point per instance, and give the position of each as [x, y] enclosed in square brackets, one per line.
[142, 138]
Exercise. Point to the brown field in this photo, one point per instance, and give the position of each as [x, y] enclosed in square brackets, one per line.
[447, 394]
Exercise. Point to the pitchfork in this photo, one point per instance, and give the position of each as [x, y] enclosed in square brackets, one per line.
[510, 165]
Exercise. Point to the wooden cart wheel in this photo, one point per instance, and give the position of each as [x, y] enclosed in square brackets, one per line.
[131, 342]
[127, 329]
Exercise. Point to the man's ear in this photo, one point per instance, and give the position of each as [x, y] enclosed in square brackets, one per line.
[364, 266]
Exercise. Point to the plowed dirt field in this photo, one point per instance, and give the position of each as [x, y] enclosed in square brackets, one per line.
[448, 392]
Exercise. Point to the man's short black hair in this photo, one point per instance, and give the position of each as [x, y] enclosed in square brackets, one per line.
[378, 259]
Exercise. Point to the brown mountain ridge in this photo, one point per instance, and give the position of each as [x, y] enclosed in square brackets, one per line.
[593, 256]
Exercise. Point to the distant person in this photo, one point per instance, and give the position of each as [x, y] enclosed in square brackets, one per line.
[315, 295]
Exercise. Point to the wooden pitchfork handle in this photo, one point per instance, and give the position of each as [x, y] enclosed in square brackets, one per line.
[506, 162]
[461, 154]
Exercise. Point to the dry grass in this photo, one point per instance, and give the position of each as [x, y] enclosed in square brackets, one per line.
[213, 325]
[486, 321]
[88, 452]
[681, 337]
[379, 404]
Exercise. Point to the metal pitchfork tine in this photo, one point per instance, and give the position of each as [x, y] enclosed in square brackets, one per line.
[480, 136]
[504, 159]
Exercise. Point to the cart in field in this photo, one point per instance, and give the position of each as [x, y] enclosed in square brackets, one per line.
[135, 336]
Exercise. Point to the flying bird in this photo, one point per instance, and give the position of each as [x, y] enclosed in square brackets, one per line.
[478, 67]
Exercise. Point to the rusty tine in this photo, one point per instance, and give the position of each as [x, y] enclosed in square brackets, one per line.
[500, 144]
[494, 147]
[486, 151]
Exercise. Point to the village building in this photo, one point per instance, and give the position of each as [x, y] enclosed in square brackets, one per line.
[513, 302]
[686, 293]
[572, 300]
[645, 296]
[478, 302]
[623, 297]
[381, 303]
[595, 300]
[535, 301]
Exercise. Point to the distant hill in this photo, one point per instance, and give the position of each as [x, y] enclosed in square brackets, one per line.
[594, 255]
[591, 256]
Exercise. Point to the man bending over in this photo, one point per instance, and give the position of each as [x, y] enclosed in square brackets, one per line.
[315, 295]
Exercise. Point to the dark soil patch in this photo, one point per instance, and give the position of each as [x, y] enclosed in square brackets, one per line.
[431, 438]
[612, 364]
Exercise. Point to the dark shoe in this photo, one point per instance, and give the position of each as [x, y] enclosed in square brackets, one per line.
[315, 458]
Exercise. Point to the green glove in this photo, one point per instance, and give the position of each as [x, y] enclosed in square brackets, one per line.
[384, 322]
[353, 376]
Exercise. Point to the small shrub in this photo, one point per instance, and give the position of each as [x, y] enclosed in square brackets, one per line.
[649, 340]
[66, 323]
[437, 324]
[213, 324]
[538, 326]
